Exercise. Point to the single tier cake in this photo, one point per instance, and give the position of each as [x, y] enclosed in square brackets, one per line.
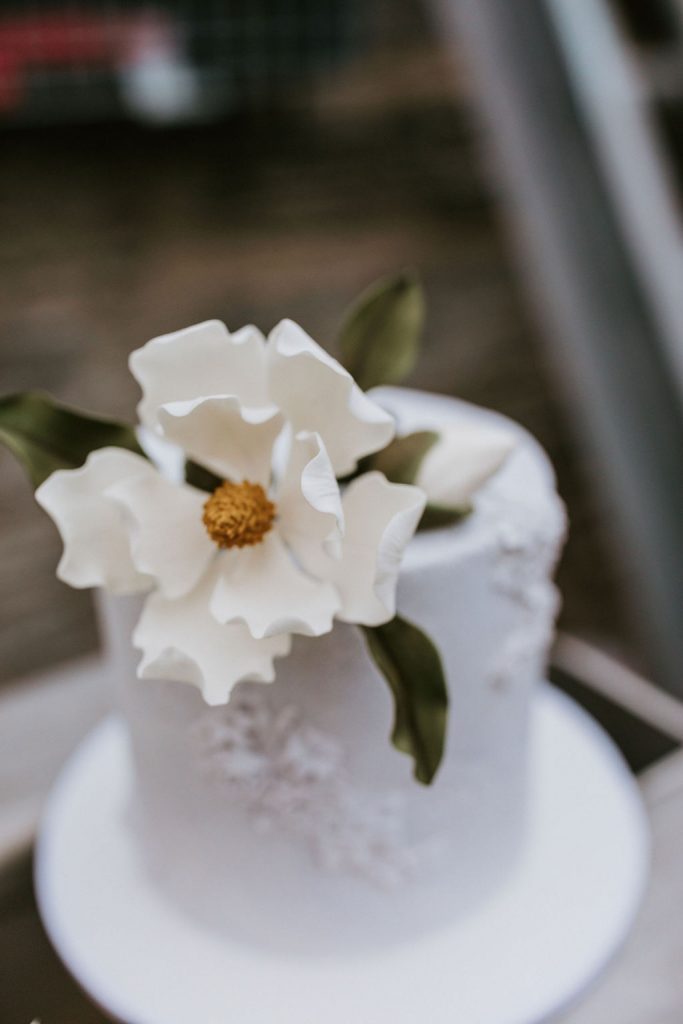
[284, 817]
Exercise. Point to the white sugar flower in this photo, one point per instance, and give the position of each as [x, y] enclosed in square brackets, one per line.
[462, 459]
[277, 548]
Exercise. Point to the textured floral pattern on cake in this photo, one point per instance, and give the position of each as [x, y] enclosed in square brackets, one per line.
[526, 554]
[522, 656]
[290, 775]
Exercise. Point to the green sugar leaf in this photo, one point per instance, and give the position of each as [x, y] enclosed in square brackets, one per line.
[411, 664]
[380, 337]
[200, 477]
[435, 517]
[46, 436]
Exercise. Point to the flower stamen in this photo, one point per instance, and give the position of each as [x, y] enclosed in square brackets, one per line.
[238, 515]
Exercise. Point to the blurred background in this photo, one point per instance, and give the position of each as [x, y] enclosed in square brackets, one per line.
[165, 163]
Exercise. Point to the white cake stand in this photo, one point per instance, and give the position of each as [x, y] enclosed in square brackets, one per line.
[521, 957]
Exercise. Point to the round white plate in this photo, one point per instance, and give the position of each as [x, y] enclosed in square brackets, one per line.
[522, 956]
[42, 720]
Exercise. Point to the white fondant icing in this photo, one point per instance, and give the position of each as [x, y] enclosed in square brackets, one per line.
[288, 820]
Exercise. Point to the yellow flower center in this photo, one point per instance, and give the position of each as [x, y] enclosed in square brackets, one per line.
[237, 515]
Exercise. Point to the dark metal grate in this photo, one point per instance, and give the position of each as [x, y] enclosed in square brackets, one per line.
[166, 61]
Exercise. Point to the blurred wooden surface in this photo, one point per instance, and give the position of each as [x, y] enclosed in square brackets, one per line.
[644, 985]
[114, 234]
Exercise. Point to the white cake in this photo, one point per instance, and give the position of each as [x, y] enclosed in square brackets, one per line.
[285, 818]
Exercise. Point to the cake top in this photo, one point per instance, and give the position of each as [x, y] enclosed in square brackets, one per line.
[299, 495]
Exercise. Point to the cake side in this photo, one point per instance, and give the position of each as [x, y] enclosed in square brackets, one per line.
[287, 810]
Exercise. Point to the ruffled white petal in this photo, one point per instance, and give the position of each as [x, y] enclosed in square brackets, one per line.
[199, 361]
[168, 458]
[461, 461]
[261, 587]
[317, 394]
[92, 525]
[380, 518]
[182, 641]
[233, 441]
[168, 539]
[310, 513]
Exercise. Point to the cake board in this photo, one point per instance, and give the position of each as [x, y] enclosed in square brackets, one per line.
[519, 958]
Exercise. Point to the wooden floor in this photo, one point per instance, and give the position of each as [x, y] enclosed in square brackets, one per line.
[112, 235]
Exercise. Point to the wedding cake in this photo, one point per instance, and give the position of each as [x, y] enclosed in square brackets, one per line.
[284, 817]
[278, 545]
